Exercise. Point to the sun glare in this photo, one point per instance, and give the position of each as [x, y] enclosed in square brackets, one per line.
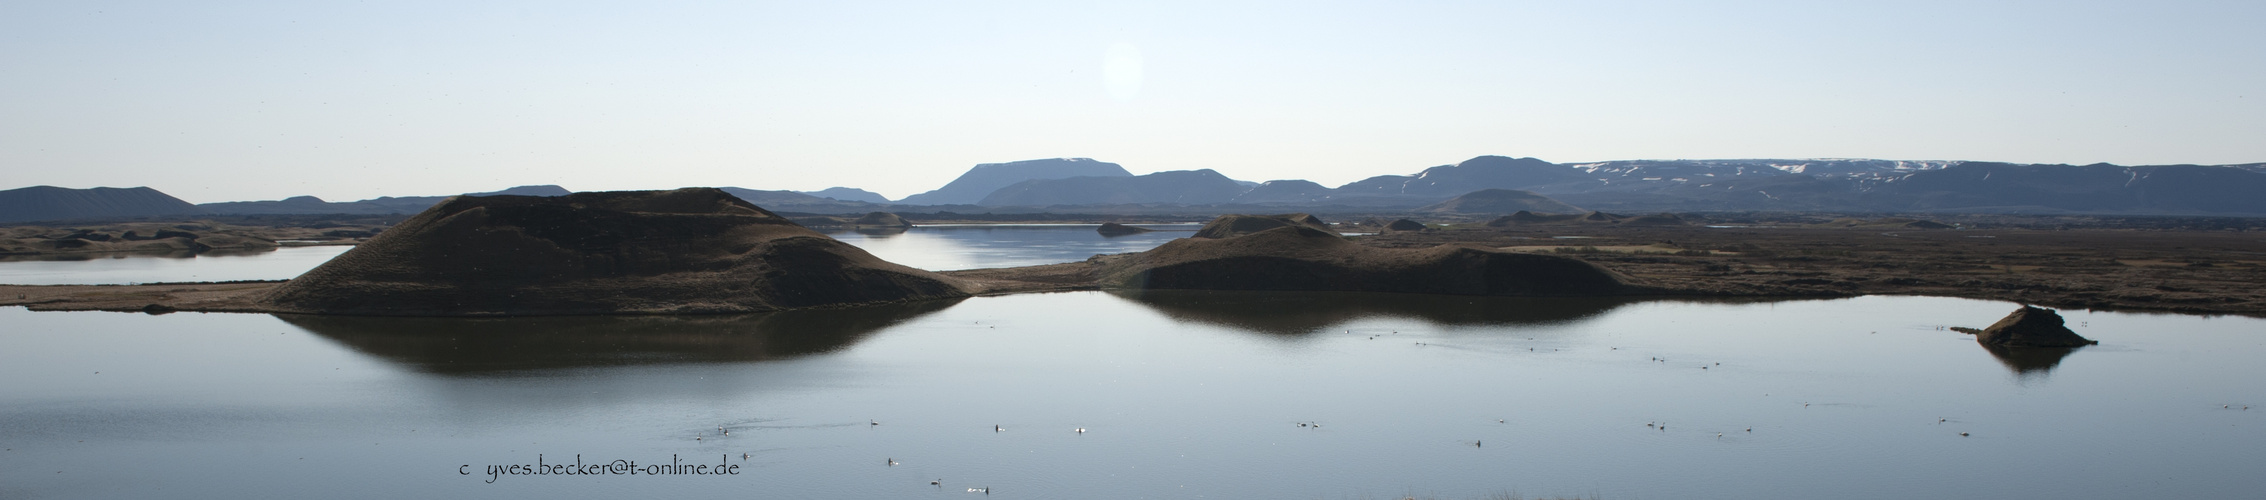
[1121, 71]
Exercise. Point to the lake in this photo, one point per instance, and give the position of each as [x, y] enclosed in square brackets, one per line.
[1184, 395]
[1180, 395]
[124, 269]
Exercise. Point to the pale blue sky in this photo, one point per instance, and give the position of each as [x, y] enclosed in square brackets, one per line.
[214, 101]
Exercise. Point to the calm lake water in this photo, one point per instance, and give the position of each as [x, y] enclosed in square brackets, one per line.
[1185, 395]
[1182, 395]
[935, 248]
[122, 269]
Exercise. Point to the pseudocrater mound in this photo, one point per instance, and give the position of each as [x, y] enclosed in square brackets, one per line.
[1295, 255]
[686, 251]
[2031, 327]
[1237, 225]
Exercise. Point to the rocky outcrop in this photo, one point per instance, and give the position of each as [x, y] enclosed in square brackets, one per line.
[2031, 327]
[1115, 229]
[687, 251]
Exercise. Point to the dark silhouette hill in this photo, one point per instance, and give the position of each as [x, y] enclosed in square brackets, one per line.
[1485, 172]
[1293, 191]
[303, 205]
[1115, 229]
[981, 181]
[50, 203]
[1229, 226]
[1404, 225]
[775, 198]
[1499, 201]
[1299, 258]
[849, 194]
[687, 251]
[1180, 187]
[881, 219]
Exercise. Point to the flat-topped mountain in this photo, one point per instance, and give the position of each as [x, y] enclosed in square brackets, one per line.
[45, 203]
[982, 180]
[1181, 187]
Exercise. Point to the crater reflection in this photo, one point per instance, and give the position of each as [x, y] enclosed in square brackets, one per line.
[478, 345]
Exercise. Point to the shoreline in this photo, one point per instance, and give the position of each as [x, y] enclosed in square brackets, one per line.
[2179, 271]
[236, 296]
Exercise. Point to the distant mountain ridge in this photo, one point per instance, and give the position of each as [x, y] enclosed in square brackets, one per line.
[848, 194]
[981, 181]
[1179, 187]
[381, 205]
[44, 203]
[1485, 172]
[1838, 185]
[1833, 184]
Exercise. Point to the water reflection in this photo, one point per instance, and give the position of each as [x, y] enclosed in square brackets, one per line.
[1560, 390]
[2029, 361]
[476, 345]
[176, 254]
[1300, 313]
[951, 247]
[81, 257]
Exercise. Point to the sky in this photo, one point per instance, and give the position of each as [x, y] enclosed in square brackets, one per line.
[226, 101]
